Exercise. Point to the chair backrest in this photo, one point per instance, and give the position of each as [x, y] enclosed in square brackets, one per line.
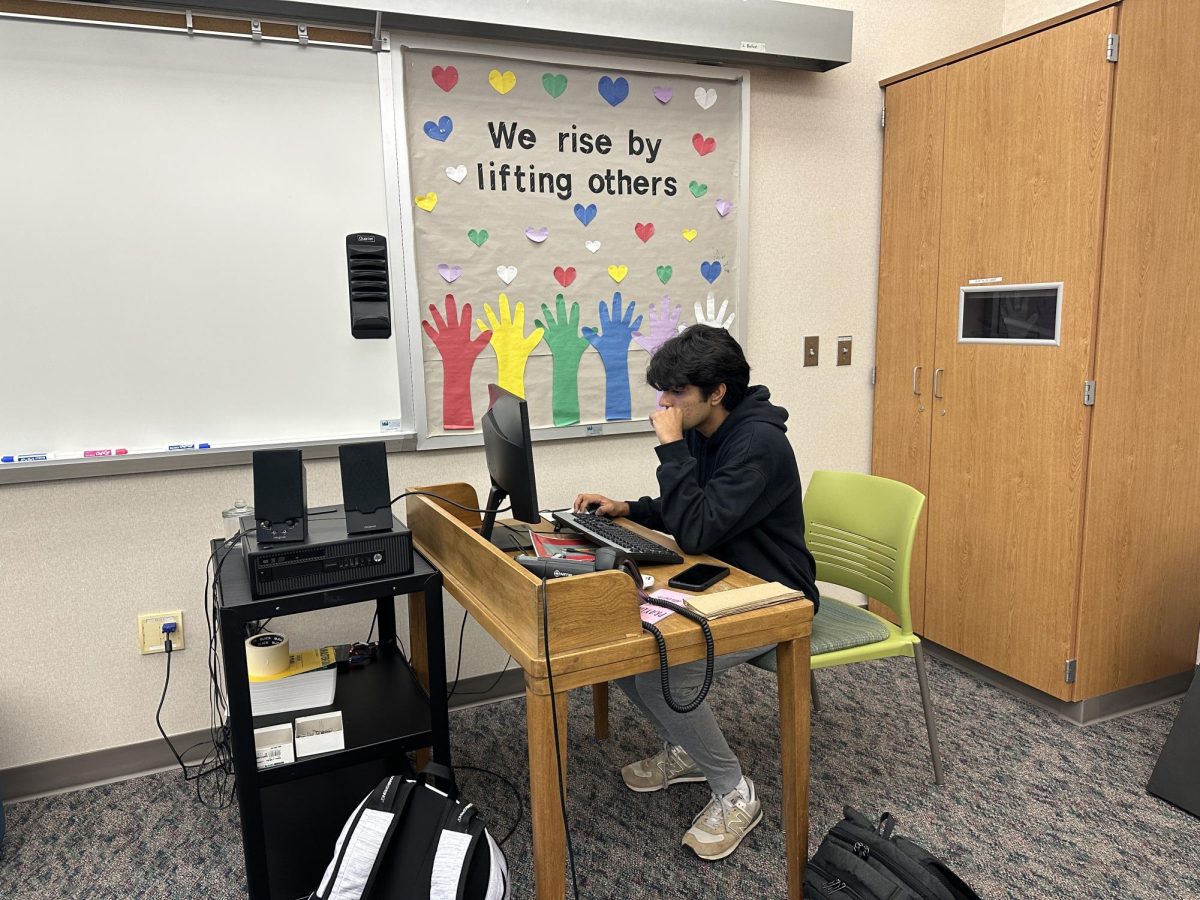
[860, 529]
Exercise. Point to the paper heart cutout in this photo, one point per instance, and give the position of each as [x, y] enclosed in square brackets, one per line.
[644, 231]
[723, 207]
[592, 246]
[537, 235]
[477, 237]
[689, 234]
[614, 91]
[445, 78]
[698, 190]
[456, 173]
[618, 273]
[706, 98]
[710, 271]
[663, 94]
[450, 273]
[564, 276]
[554, 84]
[427, 201]
[585, 214]
[503, 82]
[508, 273]
[439, 130]
[704, 145]
[664, 273]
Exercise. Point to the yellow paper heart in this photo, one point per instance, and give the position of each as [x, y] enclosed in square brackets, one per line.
[427, 201]
[689, 234]
[503, 82]
[618, 273]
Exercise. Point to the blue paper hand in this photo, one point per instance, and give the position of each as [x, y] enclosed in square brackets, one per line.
[612, 343]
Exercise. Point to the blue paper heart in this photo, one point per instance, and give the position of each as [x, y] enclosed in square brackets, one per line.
[710, 271]
[585, 214]
[613, 91]
[439, 130]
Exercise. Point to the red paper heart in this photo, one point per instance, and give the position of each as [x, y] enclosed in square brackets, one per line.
[564, 276]
[644, 231]
[445, 78]
[703, 145]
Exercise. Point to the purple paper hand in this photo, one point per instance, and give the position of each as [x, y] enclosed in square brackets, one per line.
[664, 324]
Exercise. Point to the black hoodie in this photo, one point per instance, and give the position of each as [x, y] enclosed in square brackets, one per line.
[736, 495]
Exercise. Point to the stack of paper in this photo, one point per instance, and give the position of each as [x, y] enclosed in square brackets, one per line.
[726, 603]
[304, 691]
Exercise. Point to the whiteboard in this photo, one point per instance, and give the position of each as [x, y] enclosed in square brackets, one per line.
[172, 241]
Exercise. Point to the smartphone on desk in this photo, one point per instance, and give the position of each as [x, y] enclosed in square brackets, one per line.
[699, 577]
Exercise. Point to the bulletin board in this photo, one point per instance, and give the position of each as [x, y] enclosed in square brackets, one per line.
[565, 217]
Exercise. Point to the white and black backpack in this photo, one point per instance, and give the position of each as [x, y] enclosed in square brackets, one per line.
[411, 839]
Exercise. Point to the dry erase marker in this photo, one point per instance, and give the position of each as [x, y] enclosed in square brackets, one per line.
[118, 451]
[26, 457]
[204, 445]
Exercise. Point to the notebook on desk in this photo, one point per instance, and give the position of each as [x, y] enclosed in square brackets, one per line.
[727, 603]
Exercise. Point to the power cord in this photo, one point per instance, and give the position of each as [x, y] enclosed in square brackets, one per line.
[516, 796]
[562, 790]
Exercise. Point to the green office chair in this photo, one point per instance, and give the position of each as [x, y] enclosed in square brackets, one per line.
[860, 531]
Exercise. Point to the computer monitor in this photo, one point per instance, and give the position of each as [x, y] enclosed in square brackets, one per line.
[509, 451]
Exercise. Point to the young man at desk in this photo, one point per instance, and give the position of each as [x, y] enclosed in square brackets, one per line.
[729, 487]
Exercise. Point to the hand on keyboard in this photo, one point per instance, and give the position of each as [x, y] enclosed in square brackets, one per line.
[604, 531]
[598, 503]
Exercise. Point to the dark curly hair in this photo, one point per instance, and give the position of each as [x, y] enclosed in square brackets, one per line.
[703, 356]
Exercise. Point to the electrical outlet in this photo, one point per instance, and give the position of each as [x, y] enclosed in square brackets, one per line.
[150, 634]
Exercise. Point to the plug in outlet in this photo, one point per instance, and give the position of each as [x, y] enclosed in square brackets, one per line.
[150, 634]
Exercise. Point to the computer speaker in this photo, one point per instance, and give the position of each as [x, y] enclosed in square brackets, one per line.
[366, 493]
[367, 265]
[280, 496]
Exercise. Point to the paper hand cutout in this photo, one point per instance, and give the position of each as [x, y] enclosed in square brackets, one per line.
[566, 346]
[612, 342]
[510, 343]
[663, 325]
[459, 352]
[715, 319]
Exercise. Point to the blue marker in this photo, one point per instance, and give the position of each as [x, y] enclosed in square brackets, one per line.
[26, 457]
[200, 446]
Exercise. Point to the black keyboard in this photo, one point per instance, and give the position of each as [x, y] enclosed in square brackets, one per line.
[604, 530]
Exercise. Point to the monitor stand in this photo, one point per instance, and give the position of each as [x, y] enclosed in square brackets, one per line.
[510, 540]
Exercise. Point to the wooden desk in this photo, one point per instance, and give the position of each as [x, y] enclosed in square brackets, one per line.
[596, 636]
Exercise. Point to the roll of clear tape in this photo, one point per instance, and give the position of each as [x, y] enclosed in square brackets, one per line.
[267, 654]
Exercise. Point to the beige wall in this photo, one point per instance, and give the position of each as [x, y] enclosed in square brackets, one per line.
[1020, 13]
[79, 559]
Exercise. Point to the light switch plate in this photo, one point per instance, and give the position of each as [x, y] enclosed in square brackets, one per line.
[811, 350]
[843, 351]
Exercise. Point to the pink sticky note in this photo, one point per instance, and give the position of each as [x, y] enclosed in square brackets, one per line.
[651, 613]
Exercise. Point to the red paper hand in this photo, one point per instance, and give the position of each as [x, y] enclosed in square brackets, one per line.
[459, 352]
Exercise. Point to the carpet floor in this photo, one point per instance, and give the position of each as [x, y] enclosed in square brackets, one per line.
[1033, 807]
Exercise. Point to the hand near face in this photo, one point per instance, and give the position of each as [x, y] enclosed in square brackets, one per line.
[668, 424]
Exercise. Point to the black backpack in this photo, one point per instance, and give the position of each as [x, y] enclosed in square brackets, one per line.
[860, 860]
[410, 839]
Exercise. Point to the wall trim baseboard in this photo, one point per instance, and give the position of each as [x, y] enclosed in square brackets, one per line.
[72, 773]
[1082, 712]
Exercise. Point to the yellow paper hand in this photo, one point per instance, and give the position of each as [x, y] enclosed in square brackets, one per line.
[511, 345]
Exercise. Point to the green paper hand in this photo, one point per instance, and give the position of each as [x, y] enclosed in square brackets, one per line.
[566, 346]
[510, 343]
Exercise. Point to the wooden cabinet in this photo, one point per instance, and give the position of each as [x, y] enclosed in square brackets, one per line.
[1059, 543]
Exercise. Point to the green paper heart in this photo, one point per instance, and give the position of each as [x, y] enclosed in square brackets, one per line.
[698, 190]
[664, 273]
[478, 238]
[554, 84]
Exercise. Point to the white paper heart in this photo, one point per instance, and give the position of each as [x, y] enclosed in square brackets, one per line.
[706, 98]
[592, 246]
[456, 173]
[506, 273]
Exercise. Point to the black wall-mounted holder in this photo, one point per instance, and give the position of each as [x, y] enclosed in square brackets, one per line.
[366, 262]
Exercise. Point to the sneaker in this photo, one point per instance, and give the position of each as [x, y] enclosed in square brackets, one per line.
[670, 765]
[721, 825]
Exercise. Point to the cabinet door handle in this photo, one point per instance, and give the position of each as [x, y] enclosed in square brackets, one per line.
[917, 379]
[937, 383]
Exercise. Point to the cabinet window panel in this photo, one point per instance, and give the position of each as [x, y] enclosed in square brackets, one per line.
[1012, 314]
